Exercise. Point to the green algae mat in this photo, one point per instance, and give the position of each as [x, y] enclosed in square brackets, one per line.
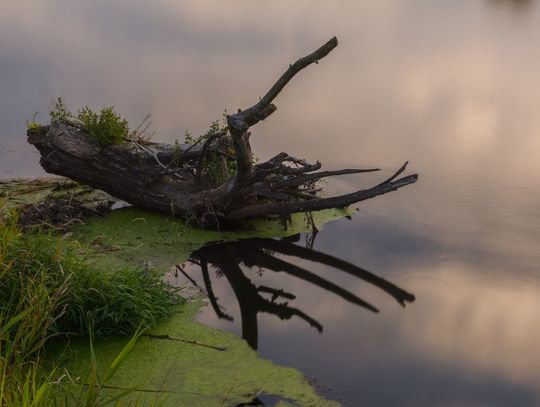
[183, 363]
[135, 236]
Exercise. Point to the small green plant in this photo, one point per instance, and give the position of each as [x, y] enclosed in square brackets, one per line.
[33, 125]
[215, 127]
[105, 127]
[217, 167]
[59, 112]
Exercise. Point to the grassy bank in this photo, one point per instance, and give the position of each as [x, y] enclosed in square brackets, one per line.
[50, 288]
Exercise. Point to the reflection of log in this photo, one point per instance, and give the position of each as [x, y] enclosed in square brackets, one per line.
[162, 178]
[227, 258]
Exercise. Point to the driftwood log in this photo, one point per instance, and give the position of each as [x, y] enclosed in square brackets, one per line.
[171, 180]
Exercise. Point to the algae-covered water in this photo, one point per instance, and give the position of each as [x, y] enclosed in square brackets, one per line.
[450, 86]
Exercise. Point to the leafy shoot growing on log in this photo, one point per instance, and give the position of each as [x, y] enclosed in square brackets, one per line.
[216, 167]
[59, 112]
[105, 127]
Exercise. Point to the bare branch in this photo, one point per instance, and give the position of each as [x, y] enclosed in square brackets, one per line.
[316, 176]
[285, 170]
[253, 115]
[240, 122]
[341, 201]
[395, 175]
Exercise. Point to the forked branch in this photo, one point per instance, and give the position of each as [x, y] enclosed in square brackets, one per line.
[240, 122]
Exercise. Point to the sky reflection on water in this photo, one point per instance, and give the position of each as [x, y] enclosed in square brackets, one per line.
[453, 87]
[470, 338]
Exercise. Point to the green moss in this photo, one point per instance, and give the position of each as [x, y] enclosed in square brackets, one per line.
[137, 236]
[224, 372]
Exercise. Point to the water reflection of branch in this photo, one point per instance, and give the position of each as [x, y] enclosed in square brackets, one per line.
[226, 259]
[210, 292]
[258, 257]
[283, 247]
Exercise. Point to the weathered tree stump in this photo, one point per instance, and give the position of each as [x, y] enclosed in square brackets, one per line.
[172, 179]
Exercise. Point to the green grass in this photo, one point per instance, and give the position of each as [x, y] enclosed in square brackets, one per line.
[27, 312]
[33, 124]
[50, 288]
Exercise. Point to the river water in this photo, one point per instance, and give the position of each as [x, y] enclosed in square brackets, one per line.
[451, 86]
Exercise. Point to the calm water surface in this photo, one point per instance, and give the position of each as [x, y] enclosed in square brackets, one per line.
[451, 86]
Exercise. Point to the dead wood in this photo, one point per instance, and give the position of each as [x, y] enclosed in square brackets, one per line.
[172, 179]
